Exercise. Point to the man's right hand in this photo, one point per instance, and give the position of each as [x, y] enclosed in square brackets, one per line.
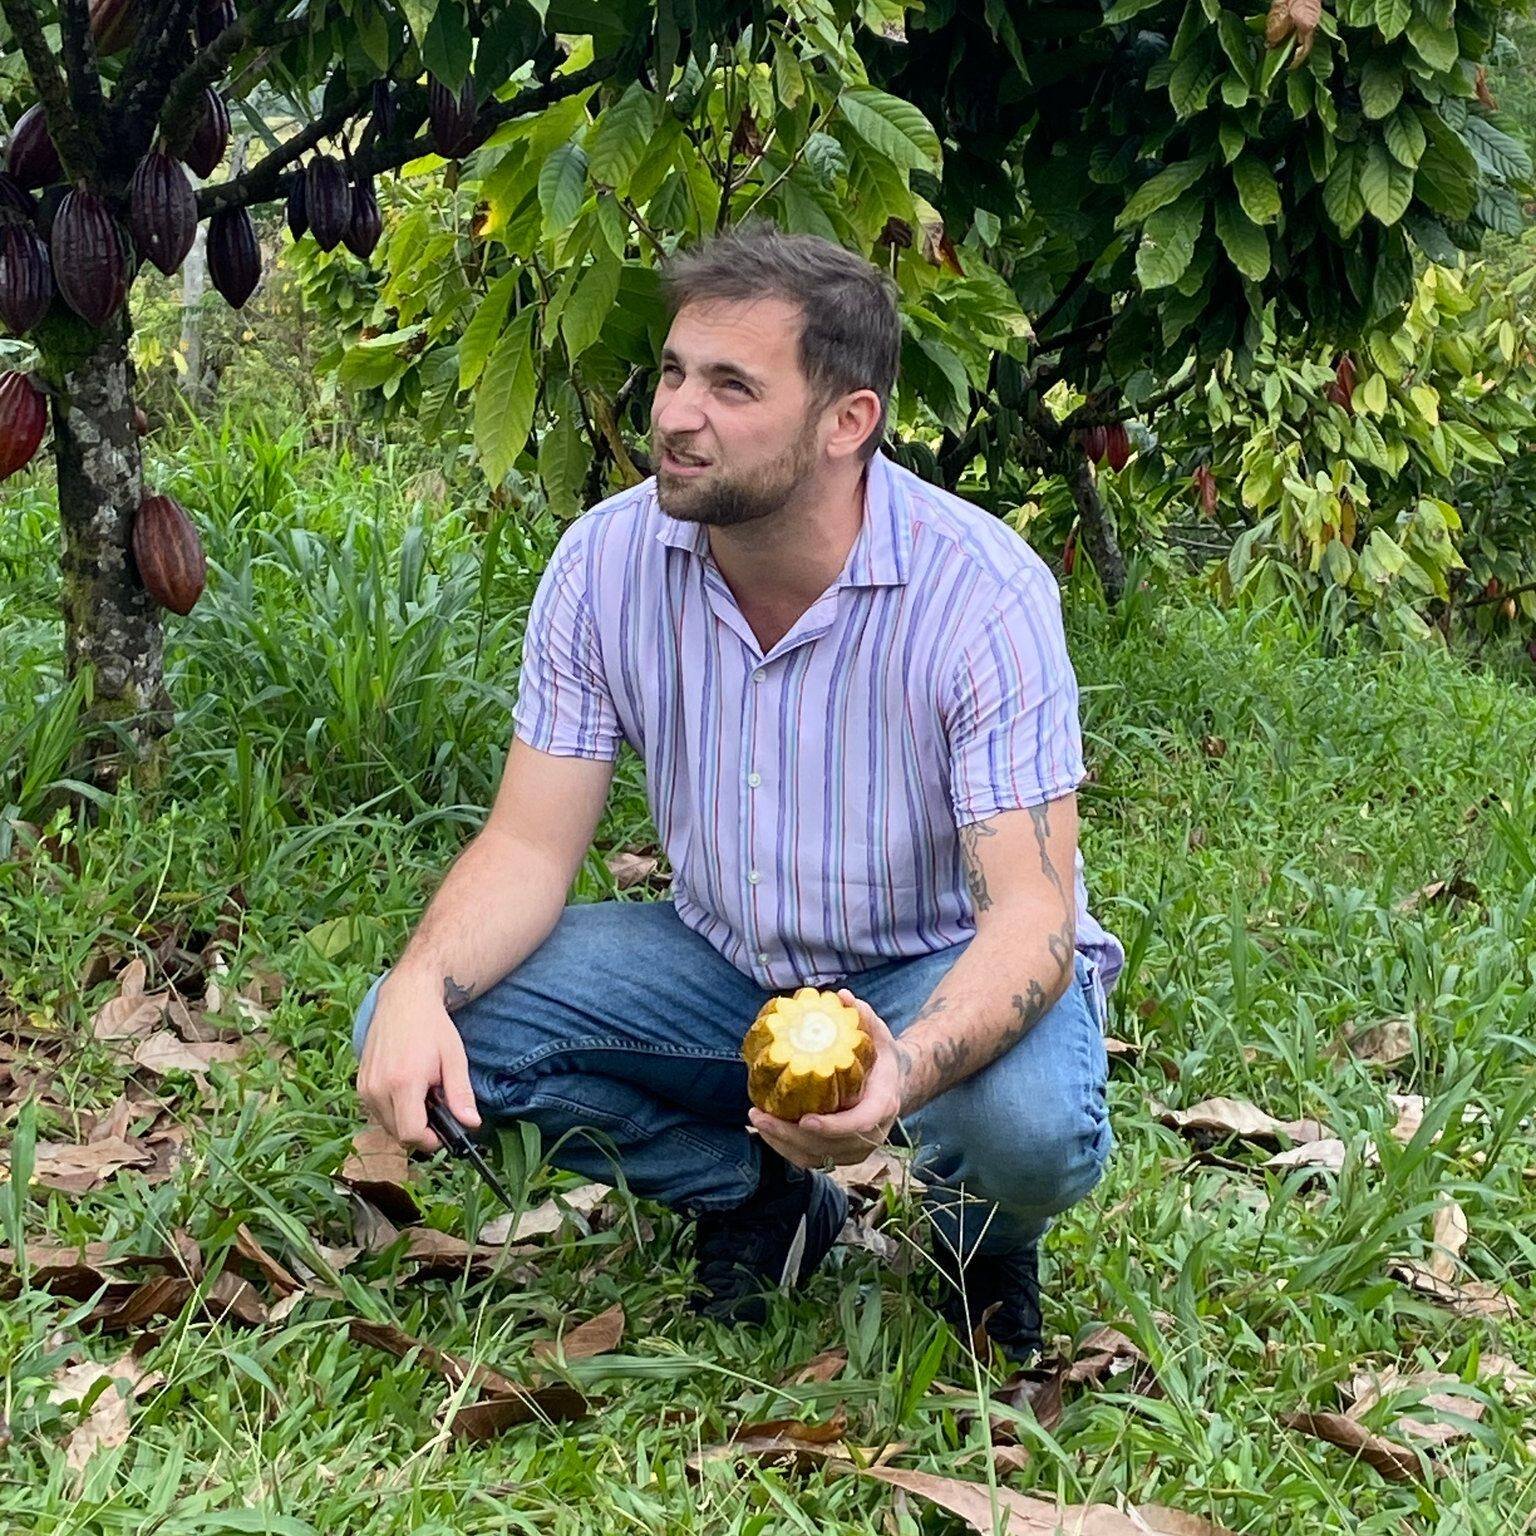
[412, 1043]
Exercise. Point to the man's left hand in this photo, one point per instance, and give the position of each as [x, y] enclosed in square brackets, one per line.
[850, 1135]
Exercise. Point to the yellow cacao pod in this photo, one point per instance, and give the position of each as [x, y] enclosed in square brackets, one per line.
[807, 1054]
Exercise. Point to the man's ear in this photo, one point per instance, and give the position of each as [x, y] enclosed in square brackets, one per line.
[856, 415]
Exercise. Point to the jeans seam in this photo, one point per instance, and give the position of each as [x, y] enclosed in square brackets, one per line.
[533, 1058]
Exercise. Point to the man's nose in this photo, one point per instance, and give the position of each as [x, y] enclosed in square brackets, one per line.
[676, 412]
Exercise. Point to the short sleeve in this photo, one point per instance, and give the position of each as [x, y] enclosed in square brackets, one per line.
[1014, 734]
[563, 703]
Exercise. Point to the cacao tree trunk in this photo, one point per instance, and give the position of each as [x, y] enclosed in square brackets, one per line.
[1098, 536]
[194, 276]
[111, 624]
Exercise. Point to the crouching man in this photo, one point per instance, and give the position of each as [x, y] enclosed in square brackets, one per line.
[858, 719]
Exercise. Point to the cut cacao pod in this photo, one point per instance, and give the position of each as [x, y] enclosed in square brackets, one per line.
[327, 201]
[162, 211]
[234, 259]
[15, 200]
[114, 24]
[807, 1053]
[26, 279]
[213, 16]
[88, 258]
[23, 420]
[211, 137]
[30, 156]
[168, 554]
[452, 116]
[367, 223]
[298, 219]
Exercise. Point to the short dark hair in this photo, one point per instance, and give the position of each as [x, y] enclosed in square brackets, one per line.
[850, 337]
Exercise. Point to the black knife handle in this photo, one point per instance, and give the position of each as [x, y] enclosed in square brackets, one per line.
[443, 1121]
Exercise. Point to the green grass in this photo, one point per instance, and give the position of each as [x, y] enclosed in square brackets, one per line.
[1260, 806]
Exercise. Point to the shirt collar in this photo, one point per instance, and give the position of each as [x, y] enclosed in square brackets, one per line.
[881, 555]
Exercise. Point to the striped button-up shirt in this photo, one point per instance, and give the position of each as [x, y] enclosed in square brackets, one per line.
[809, 799]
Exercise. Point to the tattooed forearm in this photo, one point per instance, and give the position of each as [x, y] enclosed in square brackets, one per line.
[970, 854]
[455, 994]
[1040, 819]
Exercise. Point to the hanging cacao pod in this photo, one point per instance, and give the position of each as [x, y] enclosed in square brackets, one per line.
[1206, 489]
[1342, 391]
[213, 16]
[211, 137]
[88, 263]
[327, 201]
[234, 259]
[298, 218]
[113, 24]
[367, 223]
[162, 211]
[140, 420]
[30, 157]
[452, 115]
[15, 200]
[26, 280]
[168, 554]
[23, 420]
[1117, 445]
[1094, 441]
[383, 109]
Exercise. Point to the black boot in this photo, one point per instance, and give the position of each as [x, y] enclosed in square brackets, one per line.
[1009, 1282]
[743, 1253]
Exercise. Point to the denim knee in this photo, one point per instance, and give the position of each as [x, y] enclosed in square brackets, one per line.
[364, 1016]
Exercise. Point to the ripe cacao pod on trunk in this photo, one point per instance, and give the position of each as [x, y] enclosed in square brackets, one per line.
[452, 115]
[211, 137]
[327, 201]
[30, 156]
[26, 280]
[298, 217]
[88, 260]
[234, 259]
[162, 211]
[806, 1054]
[1117, 445]
[168, 554]
[1094, 442]
[213, 16]
[113, 24]
[15, 200]
[23, 420]
[367, 223]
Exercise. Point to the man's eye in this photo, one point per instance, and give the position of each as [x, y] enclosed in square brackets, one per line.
[669, 370]
[737, 384]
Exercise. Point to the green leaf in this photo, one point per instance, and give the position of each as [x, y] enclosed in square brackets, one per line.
[1341, 192]
[1168, 242]
[1245, 242]
[1405, 137]
[1257, 189]
[1386, 186]
[446, 49]
[1392, 16]
[894, 128]
[562, 187]
[1381, 86]
[563, 461]
[582, 321]
[1496, 152]
[1168, 185]
[1232, 140]
[1191, 82]
[620, 135]
[1437, 46]
[483, 329]
[504, 401]
[1123, 10]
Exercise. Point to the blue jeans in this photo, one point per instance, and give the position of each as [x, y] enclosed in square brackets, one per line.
[627, 1023]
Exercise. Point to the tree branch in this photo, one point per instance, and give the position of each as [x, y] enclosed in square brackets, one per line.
[1085, 416]
[1499, 597]
[1085, 332]
[209, 65]
[1042, 322]
[79, 50]
[63, 128]
[162, 35]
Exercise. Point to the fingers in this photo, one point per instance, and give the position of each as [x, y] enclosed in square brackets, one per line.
[456, 1090]
[409, 1107]
[872, 1020]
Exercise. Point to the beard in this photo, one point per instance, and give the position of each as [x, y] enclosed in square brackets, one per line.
[722, 500]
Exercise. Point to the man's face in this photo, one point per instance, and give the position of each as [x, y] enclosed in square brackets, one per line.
[733, 423]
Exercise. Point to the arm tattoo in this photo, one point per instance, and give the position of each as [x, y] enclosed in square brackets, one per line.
[455, 994]
[975, 877]
[1040, 817]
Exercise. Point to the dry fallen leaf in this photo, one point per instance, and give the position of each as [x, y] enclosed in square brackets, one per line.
[1327, 1153]
[883, 1166]
[795, 1431]
[164, 1052]
[1448, 1240]
[1381, 1044]
[282, 1279]
[106, 1424]
[1221, 1118]
[396, 1342]
[77, 1169]
[1368, 1388]
[1393, 1461]
[163, 1296]
[377, 1169]
[1409, 1108]
[823, 1367]
[1472, 1298]
[547, 1217]
[1454, 889]
[596, 1336]
[631, 869]
[492, 1416]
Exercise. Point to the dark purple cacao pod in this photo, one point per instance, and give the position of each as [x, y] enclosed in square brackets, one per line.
[211, 137]
[88, 261]
[113, 24]
[213, 16]
[23, 420]
[162, 211]
[168, 554]
[383, 109]
[452, 116]
[234, 259]
[26, 280]
[298, 217]
[367, 222]
[15, 199]
[327, 201]
[30, 157]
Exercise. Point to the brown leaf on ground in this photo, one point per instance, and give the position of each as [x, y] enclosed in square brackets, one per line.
[163, 1052]
[1174, 1522]
[883, 1166]
[1104, 1353]
[1448, 1240]
[492, 1416]
[1006, 1457]
[858, 1233]
[163, 1296]
[114, 1122]
[1445, 1410]
[596, 1336]
[396, 1342]
[548, 1216]
[795, 1431]
[377, 1169]
[1439, 892]
[276, 1274]
[1472, 1298]
[823, 1367]
[133, 1012]
[1395, 1462]
[631, 869]
[231, 1297]
[76, 1169]
[1121, 1050]
[443, 1255]
[1325, 1154]
[1222, 1118]
[1381, 1044]
[1510, 1377]
[107, 1422]
[1409, 1109]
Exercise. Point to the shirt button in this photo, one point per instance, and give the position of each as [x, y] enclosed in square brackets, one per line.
[762, 959]
[754, 779]
[754, 876]
[757, 677]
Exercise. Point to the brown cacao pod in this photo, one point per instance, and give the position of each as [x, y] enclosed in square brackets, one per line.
[30, 156]
[168, 554]
[1206, 489]
[88, 260]
[162, 211]
[1117, 446]
[367, 223]
[113, 24]
[234, 259]
[211, 137]
[452, 115]
[298, 217]
[1094, 441]
[327, 201]
[15, 200]
[213, 16]
[140, 420]
[26, 280]
[23, 420]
